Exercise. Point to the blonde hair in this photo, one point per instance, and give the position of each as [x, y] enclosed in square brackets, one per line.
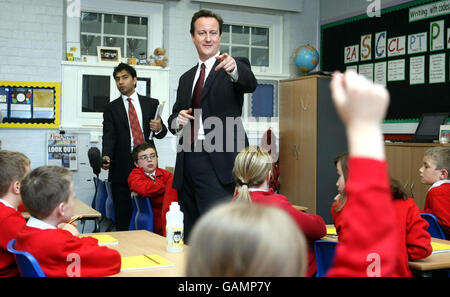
[251, 168]
[441, 155]
[13, 167]
[242, 240]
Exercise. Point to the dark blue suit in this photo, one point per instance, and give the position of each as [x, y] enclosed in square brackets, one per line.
[206, 178]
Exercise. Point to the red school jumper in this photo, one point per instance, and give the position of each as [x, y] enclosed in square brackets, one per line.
[312, 226]
[370, 243]
[438, 203]
[159, 191]
[11, 222]
[414, 237]
[54, 249]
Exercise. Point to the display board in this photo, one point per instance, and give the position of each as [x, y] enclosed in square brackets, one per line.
[30, 104]
[406, 49]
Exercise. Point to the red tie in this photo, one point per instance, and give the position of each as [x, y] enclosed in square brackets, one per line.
[196, 98]
[136, 131]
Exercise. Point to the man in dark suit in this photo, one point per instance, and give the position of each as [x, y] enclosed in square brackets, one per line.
[127, 122]
[207, 115]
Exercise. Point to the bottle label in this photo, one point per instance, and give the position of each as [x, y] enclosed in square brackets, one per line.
[175, 235]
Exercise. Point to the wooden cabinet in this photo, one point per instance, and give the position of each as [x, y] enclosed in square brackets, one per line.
[311, 136]
[404, 161]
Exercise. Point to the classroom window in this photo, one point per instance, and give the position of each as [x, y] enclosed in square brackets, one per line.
[130, 33]
[257, 37]
[246, 41]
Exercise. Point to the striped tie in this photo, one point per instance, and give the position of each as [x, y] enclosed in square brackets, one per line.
[136, 130]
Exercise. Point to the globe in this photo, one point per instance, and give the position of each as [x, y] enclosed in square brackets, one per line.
[306, 58]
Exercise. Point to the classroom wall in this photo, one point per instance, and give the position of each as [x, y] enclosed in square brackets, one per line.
[32, 47]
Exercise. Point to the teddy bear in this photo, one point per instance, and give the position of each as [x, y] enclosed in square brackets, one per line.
[159, 58]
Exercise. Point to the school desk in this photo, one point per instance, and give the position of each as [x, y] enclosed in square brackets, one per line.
[142, 242]
[81, 209]
[424, 267]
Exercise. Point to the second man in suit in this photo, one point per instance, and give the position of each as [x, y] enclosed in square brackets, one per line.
[127, 122]
[207, 114]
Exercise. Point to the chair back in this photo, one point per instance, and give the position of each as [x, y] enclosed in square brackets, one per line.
[142, 216]
[109, 204]
[324, 250]
[28, 265]
[101, 196]
[434, 228]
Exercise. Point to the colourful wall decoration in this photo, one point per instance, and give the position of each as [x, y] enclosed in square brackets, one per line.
[25, 104]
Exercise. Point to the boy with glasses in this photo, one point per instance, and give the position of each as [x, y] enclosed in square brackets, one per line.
[147, 180]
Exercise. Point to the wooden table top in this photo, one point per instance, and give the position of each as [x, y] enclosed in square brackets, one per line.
[140, 242]
[81, 208]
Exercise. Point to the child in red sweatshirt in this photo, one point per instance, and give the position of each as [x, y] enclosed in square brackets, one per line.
[13, 168]
[147, 180]
[252, 170]
[48, 195]
[414, 236]
[369, 245]
[435, 172]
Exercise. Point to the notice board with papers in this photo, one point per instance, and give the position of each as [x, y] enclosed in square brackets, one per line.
[406, 48]
[30, 104]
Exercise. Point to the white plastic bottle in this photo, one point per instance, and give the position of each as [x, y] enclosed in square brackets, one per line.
[174, 229]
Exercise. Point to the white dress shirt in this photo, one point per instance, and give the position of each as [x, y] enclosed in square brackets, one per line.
[36, 223]
[6, 203]
[438, 183]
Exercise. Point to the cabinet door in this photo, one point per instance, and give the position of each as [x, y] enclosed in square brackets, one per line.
[419, 190]
[306, 112]
[288, 140]
[404, 162]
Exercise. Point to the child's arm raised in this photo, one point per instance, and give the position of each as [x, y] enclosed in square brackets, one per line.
[368, 247]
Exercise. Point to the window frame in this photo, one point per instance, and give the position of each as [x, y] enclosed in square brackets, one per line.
[275, 25]
[152, 11]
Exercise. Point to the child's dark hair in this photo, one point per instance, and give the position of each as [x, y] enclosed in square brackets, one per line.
[44, 189]
[398, 191]
[142, 147]
[126, 67]
[205, 14]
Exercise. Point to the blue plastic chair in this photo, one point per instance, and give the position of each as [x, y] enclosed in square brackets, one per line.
[434, 228]
[324, 250]
[100, 197]
[142, 216]
[109, 204]
[28, 265]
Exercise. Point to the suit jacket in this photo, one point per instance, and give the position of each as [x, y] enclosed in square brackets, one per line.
[221, 99]
[117, 139]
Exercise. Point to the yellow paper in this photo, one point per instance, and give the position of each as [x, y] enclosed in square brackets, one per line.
[144, 262]
[440, 247]
[331, 231]
[104, 239]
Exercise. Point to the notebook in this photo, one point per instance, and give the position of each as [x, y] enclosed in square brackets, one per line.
[144, 262]
[440, 247]
[331, 231]
[104, 239]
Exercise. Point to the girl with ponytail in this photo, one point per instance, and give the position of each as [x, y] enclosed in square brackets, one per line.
[252, 171]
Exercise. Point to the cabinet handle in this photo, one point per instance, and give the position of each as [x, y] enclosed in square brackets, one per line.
[304, 107]
[295, 148]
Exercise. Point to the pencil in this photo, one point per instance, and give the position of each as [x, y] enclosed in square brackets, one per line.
[151, 259]
[74, 219]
